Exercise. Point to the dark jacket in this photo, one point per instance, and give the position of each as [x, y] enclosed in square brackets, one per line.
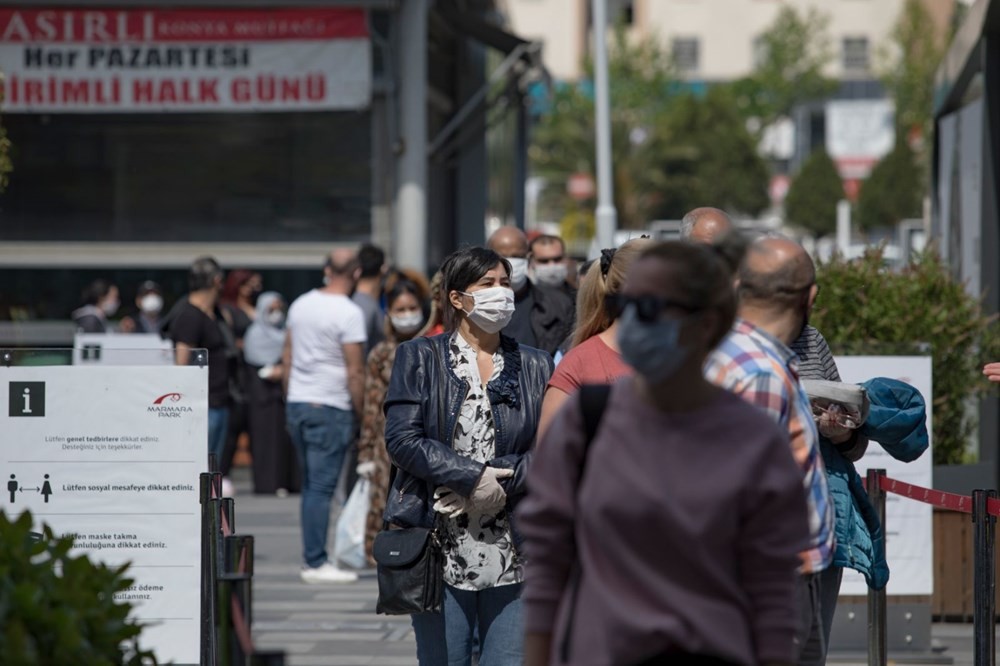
[553, 315]
[422, 407]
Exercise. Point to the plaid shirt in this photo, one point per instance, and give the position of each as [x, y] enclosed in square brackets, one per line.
[763, 371]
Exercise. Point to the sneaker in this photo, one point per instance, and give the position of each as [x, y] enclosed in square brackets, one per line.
[281, 492]
[327, 573]
[227, 488]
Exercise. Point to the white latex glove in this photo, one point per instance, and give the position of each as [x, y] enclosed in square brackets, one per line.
[488, 495]
[366, 469]
[449, 503]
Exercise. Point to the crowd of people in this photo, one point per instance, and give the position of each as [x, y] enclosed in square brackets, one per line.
[621, 464]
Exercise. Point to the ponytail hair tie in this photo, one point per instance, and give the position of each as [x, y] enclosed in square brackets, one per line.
[606, 257]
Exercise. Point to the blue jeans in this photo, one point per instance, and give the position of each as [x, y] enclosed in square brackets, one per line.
[218, 426]
[446, 638]
[321, 436]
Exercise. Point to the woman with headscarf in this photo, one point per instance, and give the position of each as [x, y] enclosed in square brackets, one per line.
[275, 469]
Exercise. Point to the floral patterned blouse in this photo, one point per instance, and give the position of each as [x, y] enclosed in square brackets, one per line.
[479, 548]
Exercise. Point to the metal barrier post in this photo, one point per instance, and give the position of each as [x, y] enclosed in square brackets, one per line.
[239, 572]
[984, 579]
[876, 598]
[208, 635]
[268, 659]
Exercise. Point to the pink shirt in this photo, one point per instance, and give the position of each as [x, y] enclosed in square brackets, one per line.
[590, 362]
[686, 533]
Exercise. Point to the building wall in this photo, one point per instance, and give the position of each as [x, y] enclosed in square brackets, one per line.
[725, 29]
[561, 25]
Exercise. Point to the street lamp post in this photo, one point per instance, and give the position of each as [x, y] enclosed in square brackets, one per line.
[606, 216]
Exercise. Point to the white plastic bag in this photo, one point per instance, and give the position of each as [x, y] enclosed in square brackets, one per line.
[349, 548]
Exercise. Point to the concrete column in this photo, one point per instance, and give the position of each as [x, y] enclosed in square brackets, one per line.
[410, 232]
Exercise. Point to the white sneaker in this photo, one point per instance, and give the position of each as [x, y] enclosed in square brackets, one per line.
[227, 488]
[327, 573]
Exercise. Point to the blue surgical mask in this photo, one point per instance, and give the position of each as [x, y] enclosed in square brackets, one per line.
[651, 348]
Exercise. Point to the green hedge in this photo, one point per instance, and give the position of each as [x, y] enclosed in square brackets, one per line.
[864, 307]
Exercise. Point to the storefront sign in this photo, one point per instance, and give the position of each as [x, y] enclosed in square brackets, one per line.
[85, 61]
[112, 455]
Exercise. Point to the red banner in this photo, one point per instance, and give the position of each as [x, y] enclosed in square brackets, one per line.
[49, 26]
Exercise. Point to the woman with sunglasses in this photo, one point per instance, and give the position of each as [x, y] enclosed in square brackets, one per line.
[670, 536]
[461, 416]
[594, 357]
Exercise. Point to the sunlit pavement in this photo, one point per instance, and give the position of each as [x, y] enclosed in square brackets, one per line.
[316, 625]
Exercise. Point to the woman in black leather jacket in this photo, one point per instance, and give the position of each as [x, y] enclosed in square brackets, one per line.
[461, 414]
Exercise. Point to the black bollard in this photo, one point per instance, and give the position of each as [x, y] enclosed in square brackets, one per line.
[877, 652]
[268, 658]
[209, 638]
[984, 579]
[239, 550]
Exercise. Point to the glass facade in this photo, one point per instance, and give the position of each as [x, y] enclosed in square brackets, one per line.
[278, 177]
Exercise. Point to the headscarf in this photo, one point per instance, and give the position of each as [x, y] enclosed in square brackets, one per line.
[264, 342]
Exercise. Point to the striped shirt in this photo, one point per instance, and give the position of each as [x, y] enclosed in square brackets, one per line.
[815, 359]
[763, 371]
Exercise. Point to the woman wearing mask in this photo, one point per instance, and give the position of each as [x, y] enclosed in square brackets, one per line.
[149, 303]
[461, 414]
[406, 316]
[594, 357]
[633, 556]
[275, 468]
[100, 301]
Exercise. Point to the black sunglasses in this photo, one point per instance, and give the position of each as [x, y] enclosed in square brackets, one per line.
[648, 308]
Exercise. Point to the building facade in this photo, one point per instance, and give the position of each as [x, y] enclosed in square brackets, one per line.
[145, 134]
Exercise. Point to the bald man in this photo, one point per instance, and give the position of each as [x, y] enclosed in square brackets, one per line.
[324, 369]
[543, 316]
[704, 225]
[777, 288]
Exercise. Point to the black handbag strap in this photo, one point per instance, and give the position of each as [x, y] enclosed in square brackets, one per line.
[593, 403]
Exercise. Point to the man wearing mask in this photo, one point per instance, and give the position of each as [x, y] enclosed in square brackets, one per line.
[325, 354]
[547, 265]
[197, 322]
[543, 316]
[777, 288]
[100, 301]
[149, 302]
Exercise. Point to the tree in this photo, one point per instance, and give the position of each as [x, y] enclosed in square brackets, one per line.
[812, 198]
[791, 56]
[909, 66]
[703, 155]
[563, 142]
[894, 191]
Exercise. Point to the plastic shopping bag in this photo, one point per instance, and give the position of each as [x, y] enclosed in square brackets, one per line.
[350, 534]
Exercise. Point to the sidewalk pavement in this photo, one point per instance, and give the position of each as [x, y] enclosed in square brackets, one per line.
[336, 625]
[316, 625]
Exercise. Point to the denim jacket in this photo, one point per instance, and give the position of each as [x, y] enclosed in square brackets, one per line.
[422, 408]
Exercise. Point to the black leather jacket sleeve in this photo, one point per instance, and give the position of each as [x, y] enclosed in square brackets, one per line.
[413, 444]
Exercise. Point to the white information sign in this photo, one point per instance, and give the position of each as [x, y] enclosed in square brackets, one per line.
[112, 455]
[909, 542]
[116, 349]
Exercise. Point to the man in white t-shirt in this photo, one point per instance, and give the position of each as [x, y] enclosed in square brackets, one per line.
[324, 350]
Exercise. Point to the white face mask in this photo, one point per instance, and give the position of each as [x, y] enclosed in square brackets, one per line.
[550, 275]
[110, 307]
[276, 318]
[151, 303]
[406, 323]
[493, 308]
[518, 273]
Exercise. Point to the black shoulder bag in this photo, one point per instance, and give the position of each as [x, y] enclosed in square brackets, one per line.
[410, 564]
